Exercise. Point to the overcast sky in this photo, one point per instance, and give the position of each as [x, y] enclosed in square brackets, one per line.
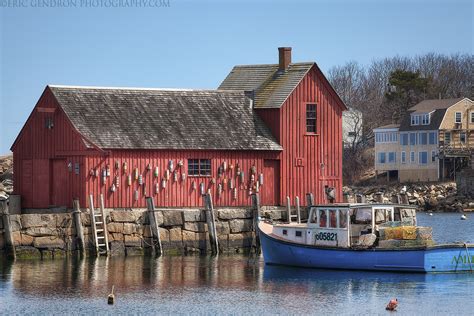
[195, 44]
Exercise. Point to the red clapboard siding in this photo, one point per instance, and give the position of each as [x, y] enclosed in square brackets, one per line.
[177, 193]
[320, 155]
[37, 145]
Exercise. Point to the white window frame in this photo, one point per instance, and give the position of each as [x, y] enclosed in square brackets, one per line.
[456, 117]
[394, 157]
[435, 138]
[419, 138]
[425, 119]
[433, 156]
[415, 119]
[403, 157]
[401, 137]
[420, 161]
[412, 157]
[416, 139]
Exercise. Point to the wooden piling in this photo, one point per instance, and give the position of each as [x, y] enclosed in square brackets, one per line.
[7, 227]
[79, 229]
[211, 224]
[288, 209]
[298, 210]
[256, 218]
[155, 231]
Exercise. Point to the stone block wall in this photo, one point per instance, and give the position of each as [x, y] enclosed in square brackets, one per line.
[129, 232]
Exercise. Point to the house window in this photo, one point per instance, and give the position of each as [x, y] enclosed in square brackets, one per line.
[457, 117]
[404, 139]
[425, 119]
[199, 167]
[412, 157]
[433, 156]
[285, 232]
[432, 138]
[298, 233]
[423, 138]
[392, 157]
[412, 139]
[447, 138]
[415, 119]
[423, 157]
[462, 137]
[404, 157]
[311, 118]
[381, 157]
[472, 117]
[48, 123]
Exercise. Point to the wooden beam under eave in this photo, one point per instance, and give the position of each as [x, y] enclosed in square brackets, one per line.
[82, 153]
[46, 110]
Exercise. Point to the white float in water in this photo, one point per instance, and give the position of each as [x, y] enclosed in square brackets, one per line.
[431, 214]
[463, 217]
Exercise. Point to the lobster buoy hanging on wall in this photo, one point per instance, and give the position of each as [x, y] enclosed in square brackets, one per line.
[234, 193]
[257, 187]
[156, 172]
[170, 165]
[167, 174]
[224, 166]
[219, 171]
[157, 188]
[231, 183]
[163, 183]
[107, 170]
[140, 180]
[242, 177]
[135, 195]
[202, 188]
[124, 166]
[92, 173]
[213, 181]
[117, 181]
[219, 189]
[175, 175]
[180, 163]
[104, 176]
[135, 174]
[129, 180]
[144, 189]
[253, 170]
[252, 177]
[148, 167]
[112, 188]
[183, 176]
[194, 186]
[117, 165]
[237, 169]
[260, 179]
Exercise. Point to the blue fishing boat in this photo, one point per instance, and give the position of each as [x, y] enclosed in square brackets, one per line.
[380, 237]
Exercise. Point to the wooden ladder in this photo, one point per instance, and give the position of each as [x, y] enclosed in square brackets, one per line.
[99, 227]
[293, 217]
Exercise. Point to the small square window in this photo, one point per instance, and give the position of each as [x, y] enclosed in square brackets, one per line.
[285, 232]
[298, 233]
[462, 137]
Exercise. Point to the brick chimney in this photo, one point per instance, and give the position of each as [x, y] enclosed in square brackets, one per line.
[284, 57]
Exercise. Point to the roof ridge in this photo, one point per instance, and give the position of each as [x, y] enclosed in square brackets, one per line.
[273, 65]
[142, 89]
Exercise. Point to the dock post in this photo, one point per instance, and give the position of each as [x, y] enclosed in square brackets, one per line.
[378, 197]
[309, 200]
[288, 209]
[9, 242]
[404, 198]
[76, 213]
[256, 218]
[211, 225]
[396, 199]
[155, 231]
[298, 211]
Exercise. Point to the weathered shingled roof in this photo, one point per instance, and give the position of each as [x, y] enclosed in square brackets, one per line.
[436, 107]
[133, 118]
[271, 86]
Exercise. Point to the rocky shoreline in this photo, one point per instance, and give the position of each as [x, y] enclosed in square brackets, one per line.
[432, 197]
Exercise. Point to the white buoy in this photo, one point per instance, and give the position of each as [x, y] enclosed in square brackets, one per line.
[431, 214]
[463, 217]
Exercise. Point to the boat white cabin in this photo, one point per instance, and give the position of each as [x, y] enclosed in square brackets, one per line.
[341, 225]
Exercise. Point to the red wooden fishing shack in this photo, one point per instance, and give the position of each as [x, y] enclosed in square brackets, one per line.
[274, 129]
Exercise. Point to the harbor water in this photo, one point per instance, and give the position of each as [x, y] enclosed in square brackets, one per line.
[236, 285]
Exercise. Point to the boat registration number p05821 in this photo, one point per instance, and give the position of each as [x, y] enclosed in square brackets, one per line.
[326, 236]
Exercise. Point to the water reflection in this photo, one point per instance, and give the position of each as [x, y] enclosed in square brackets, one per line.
[223, 285]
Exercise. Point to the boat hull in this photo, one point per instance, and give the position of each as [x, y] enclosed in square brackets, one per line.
[447, 258]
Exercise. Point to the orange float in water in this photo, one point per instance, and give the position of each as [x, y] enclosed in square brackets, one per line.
[392, 305]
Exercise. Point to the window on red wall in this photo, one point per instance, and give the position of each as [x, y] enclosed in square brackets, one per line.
[311, 118]
[199, 167]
